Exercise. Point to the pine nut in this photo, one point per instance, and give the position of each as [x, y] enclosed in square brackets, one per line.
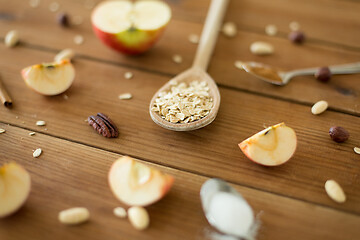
[11, 38]
[139, 217]
[319, 107]
[261, 48]
[334, 191]
[74, 215]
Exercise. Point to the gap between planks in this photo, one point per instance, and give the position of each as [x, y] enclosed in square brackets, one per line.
[182, 170]
[155, 72]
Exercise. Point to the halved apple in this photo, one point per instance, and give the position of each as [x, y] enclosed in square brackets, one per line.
[137, 184]
[130, 27]
[272, 146]
[49, 78]
[15, 187]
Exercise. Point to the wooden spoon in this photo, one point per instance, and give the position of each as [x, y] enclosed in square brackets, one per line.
[198, 71]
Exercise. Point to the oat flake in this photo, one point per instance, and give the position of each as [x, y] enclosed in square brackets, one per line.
[125, 96]
[40, 123]
[79, 39]
[54, 7]
[2, 130]
[37, 153]
[194, 38]
[34, 3]
[128, 75]
[177, 58]
[32, 134]
[120, 212]
[357, 150]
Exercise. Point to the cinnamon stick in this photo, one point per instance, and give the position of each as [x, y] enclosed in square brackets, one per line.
[4, 96]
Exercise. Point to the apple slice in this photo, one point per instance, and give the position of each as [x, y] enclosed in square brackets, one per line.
[136, 184]
[130, 27]
[49, 78]
[272, 146]
[15, 187]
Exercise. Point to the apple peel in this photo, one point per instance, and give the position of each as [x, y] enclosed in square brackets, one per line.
[137, 184]
[272, 146]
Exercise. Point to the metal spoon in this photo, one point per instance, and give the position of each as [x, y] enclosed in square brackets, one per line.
[211, 188]
[198, 71]
[277, 77]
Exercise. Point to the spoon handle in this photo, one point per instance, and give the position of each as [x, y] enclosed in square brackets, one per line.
[210, 32]
[336, 69]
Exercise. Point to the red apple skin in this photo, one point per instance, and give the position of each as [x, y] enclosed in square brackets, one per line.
[166, 183]
[110, 40]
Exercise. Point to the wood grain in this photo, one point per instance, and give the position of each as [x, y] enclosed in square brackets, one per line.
[68, 174]
[343, 91]
[211, 151]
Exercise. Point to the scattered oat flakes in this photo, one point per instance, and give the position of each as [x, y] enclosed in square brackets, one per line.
[194, 38]
[177, 58]
[32, 134]
[128, 75]
[40, 123]
[120, 212]
[125, 96]
[34, 3]
[357, 150]
[77, 20]
[54, 6]
[229, 29]
[37, 153]
[79, 39]
[294, 26]
[2, 130]
[271, 30]
[184, 102]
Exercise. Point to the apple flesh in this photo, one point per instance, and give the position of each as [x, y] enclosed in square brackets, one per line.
[15, 187]
[49, 78]
[272, 146]
[130, 27]
[136, 184]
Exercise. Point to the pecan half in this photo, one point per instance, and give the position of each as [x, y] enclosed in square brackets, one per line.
[103, 125]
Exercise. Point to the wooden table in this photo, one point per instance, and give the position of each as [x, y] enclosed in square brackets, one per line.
[72, 171]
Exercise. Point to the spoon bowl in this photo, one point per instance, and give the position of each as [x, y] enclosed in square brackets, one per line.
[188, 76]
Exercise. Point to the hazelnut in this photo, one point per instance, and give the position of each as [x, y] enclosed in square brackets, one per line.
[297, 37]
[63, 19]
[323, 74]
[338, 134]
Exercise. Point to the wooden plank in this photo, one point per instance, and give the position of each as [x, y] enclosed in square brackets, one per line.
[343, 91]
[77, 176]
[211, 151]
[330, 21]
